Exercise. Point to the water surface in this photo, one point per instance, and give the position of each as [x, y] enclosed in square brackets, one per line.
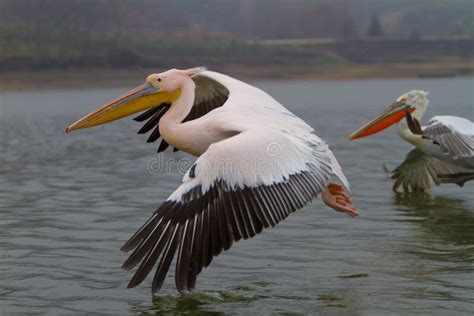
[69, 201]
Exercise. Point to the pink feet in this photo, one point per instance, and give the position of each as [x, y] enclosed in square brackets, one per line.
[335, 197]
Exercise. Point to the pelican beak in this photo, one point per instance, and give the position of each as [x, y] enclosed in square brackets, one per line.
[139, 99]
[390, 116]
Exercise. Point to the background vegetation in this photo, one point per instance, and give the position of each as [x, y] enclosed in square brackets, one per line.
[52, 34]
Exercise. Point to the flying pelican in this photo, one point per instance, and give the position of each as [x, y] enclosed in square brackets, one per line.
[257, 163]
[444, 149]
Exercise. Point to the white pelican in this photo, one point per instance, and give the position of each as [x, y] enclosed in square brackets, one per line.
[257, 163]
[444, 149]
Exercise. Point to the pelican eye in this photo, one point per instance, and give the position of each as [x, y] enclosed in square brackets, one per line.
[159, 79]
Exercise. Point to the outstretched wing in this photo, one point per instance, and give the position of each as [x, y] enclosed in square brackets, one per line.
[235, 189]
[455, 135]
[209, 95]
[419, 171]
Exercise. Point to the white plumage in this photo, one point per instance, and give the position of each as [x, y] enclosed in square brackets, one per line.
[257, 163]
[454, 137]
[272, 143]
[444, 149]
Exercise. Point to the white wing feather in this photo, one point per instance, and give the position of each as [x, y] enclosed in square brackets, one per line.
[455, 135]
[259, 157]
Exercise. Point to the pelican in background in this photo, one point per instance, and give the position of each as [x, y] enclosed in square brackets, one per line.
[257, 163]
[444, 149]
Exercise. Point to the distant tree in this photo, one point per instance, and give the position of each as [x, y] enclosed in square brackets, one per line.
[375, 28]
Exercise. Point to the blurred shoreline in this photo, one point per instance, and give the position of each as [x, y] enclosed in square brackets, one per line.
[70, 78]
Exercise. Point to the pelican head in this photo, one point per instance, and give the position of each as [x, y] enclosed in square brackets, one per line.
[158, 89]
[414, 102]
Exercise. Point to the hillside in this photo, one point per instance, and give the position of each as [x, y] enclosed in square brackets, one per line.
[127, 33]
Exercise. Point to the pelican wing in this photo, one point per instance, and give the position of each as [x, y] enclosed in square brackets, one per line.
[419, 171]
[239, 186]
[209, 94]
[455, 135]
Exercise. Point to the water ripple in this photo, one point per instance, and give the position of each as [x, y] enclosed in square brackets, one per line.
[68, 203]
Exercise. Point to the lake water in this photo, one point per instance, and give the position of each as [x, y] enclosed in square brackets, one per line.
[69, 201]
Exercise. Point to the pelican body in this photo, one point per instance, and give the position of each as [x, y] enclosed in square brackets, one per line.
[444, 149]
[257, 163]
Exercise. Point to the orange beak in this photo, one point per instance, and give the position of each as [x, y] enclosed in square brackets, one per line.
[392, 115]
[136, 100]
